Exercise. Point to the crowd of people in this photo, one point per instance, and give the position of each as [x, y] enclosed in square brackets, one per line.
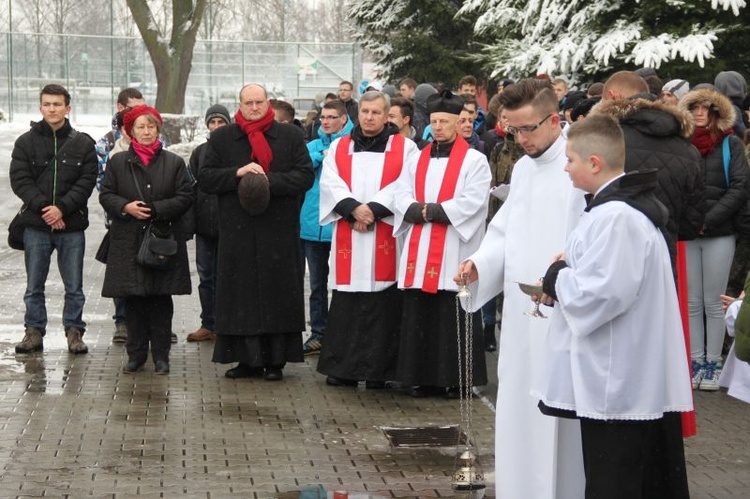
[396, 201]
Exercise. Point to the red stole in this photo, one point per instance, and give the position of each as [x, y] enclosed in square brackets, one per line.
[385, 243]
[689, 426]
[437, 234]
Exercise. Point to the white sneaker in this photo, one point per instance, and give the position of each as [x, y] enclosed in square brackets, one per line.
[698, 373]
[710, 381]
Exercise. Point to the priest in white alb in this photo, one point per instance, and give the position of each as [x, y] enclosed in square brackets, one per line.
[440, 207]
[535, 456]
[356, 194]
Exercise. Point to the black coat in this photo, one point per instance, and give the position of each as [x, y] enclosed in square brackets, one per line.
[206, 207]
[657, 136]
[260, 274]
[32, 174]
[166, 187]
[722, 201]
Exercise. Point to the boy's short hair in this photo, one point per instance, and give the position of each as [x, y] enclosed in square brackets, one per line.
[55, 89]
[537, 93]
[560, 80]
[347, 83]
[599, 135]
[409, 82]
[405, 105]
[286, 110]
[128, 93]
[467, 80]
[336, 105]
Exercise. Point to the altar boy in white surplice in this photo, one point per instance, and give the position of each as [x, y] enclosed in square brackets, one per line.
[615, 355]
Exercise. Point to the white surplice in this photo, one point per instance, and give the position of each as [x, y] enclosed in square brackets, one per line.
[367, 171]
[536, 456]
[467, 212]
[617, 350]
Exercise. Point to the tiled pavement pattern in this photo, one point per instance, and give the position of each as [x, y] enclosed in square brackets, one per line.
[75, 426]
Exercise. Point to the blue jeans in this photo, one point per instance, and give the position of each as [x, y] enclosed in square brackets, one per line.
[489, 312]
[316, 253]
[206, 259]
[39, 245]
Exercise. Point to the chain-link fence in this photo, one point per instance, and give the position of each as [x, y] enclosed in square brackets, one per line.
[95, 68]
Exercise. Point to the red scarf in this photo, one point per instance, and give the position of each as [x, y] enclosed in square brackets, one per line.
[706, 141]
[146, 153]
[260, 151]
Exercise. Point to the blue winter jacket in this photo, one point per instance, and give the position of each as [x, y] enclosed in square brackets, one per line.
[310, 228]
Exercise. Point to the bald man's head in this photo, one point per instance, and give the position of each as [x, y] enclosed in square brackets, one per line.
[624, 84]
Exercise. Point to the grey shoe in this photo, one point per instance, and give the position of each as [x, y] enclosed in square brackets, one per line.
[75, 340]
[121, 334]
[31, 342]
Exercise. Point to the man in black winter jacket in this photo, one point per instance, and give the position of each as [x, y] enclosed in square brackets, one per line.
[53, 171]
[657, 136]
[206, 210]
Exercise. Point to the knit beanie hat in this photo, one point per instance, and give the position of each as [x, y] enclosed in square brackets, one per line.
[218, 111]
[678, 88]
[133, 114]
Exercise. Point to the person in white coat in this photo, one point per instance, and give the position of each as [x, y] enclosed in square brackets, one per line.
[535, 456]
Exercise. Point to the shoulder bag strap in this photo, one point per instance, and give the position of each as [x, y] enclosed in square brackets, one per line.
[725, 153]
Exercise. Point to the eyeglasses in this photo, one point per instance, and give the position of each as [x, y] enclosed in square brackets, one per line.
[526, 129]
[329, 118]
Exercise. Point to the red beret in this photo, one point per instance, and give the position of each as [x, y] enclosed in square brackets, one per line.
[133, 114]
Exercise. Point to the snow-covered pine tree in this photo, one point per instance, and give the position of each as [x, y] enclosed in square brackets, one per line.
[424, 40]
[583, 39]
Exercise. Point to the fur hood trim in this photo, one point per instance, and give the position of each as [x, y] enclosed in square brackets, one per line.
[718, 103]
[621, 109]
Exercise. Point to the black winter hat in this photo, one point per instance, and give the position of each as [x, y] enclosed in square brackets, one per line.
[444, 102]
[218, 111]
[253, 193]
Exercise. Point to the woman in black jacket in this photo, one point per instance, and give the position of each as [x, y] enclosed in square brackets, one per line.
[709, 256]
[145, 185]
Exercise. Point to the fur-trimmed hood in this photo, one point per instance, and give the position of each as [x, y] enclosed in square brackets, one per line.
[719, 104]
[651, 117]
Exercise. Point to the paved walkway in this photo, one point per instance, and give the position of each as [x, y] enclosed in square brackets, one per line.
[75, 426]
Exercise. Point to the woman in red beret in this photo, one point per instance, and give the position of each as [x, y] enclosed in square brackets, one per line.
[146, 191]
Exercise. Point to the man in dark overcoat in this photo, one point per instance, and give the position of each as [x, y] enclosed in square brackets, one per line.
[260, 313]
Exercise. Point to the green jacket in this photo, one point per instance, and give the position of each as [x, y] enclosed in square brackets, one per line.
[742, 326]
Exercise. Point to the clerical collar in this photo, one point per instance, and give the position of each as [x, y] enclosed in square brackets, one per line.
[377, 143]
[441, 149]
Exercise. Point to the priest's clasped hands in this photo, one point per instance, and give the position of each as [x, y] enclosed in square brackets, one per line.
[364, 218]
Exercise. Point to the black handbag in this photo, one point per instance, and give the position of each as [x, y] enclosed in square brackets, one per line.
[15, 231]
[157, 247]
[103, 252]
[156, 250]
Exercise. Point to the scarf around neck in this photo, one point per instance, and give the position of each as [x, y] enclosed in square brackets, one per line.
[705, 141]
[145, 153]
[260, 151]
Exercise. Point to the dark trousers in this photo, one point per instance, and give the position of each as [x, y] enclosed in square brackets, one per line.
[206, 259]
[316, 253]
[119, 316]
[634, 459]
[149, 320]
